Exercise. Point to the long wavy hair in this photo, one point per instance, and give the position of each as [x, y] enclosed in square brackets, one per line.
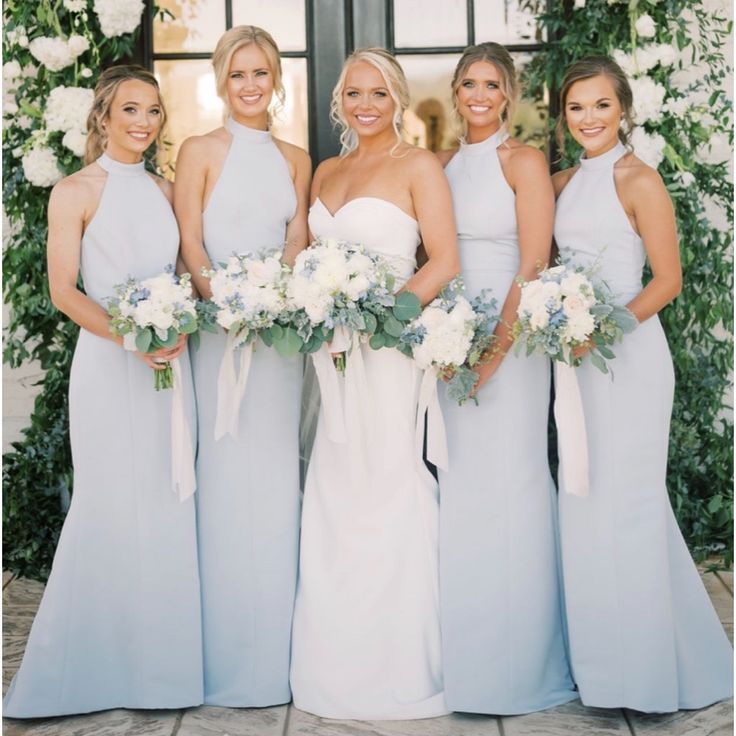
[105, 89]
[398, 89]
[587, 68]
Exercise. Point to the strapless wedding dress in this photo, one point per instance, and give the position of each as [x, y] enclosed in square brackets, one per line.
[366, 637]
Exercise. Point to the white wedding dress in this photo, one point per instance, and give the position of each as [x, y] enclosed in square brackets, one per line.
[366, 638]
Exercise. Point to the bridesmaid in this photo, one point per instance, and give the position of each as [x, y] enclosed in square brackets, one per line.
[502, 624]
[239, 190]
[119, 622]
[643, 633]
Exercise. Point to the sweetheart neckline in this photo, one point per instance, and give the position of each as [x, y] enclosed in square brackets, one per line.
[357, 199]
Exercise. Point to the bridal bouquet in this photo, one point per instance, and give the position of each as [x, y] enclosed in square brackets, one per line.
[452, 335]
[248, 298]
[338, 286]
[566, 308]
[152, 313]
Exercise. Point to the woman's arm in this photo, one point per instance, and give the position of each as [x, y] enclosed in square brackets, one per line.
[297, 232]
[528, 176]
[432, 202]
[189, 188]
[654, 218]
[69, 201]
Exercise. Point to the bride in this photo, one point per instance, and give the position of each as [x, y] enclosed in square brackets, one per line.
[366, 637]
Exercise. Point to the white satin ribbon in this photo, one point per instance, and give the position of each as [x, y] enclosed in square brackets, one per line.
[436, 434]
[183, 479]
[329, 383]
[572, 437]
[231, 387]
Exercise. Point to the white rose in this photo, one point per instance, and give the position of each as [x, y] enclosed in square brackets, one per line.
[41, 167]
[24, 122]
[579, 326]
[86, 73]
[357, 287]
[645, 27]
[539, 319]
[666, 53]
[226, 318]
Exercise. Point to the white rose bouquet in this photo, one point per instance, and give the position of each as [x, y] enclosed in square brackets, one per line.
[337, 285]
[248, 295]
[152, 313]
[565, 308]
[452, 335]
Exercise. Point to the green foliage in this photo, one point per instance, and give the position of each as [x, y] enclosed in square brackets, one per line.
[37, 475]
[699, 323]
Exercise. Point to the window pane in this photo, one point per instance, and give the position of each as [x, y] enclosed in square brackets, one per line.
[192, 104]
[430, 123]
[283, 19]
[430, 23]
[504, 21]
[292, 122]
[193, 107]
[196, 25]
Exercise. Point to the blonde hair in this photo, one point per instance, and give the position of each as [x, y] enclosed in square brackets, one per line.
[235, 39]
[398, 89]
[587, 68]
[105, 91]
[497, 55]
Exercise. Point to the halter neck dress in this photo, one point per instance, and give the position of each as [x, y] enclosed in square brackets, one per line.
[502, 616]
[248, 500]
[119, 623]
[643, 633]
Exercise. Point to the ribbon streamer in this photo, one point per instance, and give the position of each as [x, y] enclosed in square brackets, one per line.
[183, 479]
[436, 434]
[572, 436]
[231, 388]
[329, 384]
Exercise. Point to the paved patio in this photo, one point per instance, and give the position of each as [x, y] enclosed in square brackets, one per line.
[21, 598]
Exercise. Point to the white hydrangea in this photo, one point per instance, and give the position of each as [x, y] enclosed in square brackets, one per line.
[77, 45]
[579, 326]
[686, 178]
[648, 99]
[24, 122]
[30, 71]
[12, 74]
[677, 106]
[76, 142]
[67, 108]
[41, 167]
[645, 26]
[649, 147]
[118, 17]
[17, 36]
[666, 53]
[10, 106]
[53, 53]
[715, 150]
[75, 6]
[448, 335]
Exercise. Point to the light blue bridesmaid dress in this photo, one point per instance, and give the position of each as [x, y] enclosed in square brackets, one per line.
[119, 623]
[501, 609]
[248, 488]
[643, 633]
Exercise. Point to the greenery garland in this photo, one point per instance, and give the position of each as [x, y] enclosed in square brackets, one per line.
[42, 147]
[683, 124]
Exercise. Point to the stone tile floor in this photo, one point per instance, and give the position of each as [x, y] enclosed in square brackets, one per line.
[21, 597]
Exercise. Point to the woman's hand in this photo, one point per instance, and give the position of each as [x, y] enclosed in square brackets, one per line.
[158, 359]
[485, 372]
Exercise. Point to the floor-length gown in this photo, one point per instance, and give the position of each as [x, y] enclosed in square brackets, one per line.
[119, 623]
[366, 641]
[248, 486]
[643, 633]
[500, 588]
